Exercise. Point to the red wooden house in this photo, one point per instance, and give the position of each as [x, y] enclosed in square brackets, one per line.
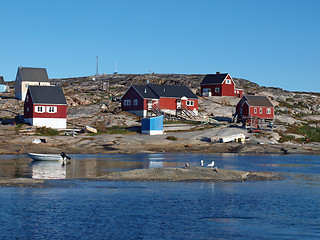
[45, 106]
[253, 109]
[219, 84]
[154, 99]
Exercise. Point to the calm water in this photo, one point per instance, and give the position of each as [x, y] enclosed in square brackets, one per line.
[286, 209]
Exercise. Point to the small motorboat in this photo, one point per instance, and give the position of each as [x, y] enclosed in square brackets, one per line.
[48, 157]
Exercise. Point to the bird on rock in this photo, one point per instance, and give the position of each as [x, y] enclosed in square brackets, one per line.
[211, 164]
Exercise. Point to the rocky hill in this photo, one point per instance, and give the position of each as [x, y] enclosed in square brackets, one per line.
[86, 97]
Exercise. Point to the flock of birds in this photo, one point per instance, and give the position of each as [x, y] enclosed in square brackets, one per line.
[202, 164]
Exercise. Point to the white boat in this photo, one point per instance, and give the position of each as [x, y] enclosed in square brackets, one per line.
[45, 157]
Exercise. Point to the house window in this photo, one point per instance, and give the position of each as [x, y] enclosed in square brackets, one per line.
[135, 102]
[127, 102]
[27, 109]
[39, 109]
[268, 110]
[260, 110]
[190, 103]
[255, 110]
[51, 109]
[228, 81]
[240, 111]
[27, 98]
[217, 90]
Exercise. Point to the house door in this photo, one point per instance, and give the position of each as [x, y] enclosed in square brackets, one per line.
[178, 104]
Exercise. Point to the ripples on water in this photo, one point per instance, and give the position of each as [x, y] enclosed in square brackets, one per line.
[286, 209]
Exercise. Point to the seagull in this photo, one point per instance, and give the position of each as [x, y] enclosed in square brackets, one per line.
[201, 163]
[211, 164]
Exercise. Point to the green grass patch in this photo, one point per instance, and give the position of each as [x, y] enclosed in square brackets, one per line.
[47, 131]
[112, 130]
[311, 134]
[182, 122]
[172, 138]
[286, 138]
[286, 104]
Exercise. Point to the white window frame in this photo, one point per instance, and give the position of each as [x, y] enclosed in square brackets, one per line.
[52, 109]
[135, 102]
[127, 102]
[217, 90]
[39, 109]
[260, 110]
[255, 110]
[268, 110]
[206, 90]
[190, 103]
[228, 81]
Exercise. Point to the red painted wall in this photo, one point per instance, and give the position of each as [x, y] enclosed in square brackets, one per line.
[262, 115]
[61, 110]
[225, 89]
[163, 103]
[212, 87]
[249, 111]
[171, 103]
[132, 94]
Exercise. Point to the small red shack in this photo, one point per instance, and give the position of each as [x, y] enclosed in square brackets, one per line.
[45, 106]
[219, 84]
[252, 110]
[155, 100]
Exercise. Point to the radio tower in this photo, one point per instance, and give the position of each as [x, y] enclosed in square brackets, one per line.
[97, 73]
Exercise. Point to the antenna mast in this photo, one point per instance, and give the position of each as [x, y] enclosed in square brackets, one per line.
[97, 73]
[116, 70]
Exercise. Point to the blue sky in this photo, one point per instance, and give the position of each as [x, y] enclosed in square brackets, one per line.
[274, 43]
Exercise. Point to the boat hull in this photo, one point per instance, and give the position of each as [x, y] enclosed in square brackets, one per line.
[45, 157]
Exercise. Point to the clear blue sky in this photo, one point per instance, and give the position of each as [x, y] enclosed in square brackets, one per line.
[274, 43]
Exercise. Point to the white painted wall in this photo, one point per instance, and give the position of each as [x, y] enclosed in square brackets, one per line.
[58, 123]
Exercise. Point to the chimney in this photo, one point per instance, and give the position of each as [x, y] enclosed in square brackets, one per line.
[217, 73]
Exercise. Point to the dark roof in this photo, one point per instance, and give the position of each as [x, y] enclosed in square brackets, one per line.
[47, 95]
[1, 80]
[33, 74]
[214, 78]
[156, 91]
[173, 91]
[258, 101]
[145, 91]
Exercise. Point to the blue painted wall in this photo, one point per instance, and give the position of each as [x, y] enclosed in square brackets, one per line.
[155, 123]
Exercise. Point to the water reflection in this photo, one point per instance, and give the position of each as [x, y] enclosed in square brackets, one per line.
[47, 170]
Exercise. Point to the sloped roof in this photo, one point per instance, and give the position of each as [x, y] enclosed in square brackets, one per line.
[173, 91]
[1, 80]
[47, 95]
[214, 78]
[155, 91]
[145, 91]
[258, 101]
[33, 74]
